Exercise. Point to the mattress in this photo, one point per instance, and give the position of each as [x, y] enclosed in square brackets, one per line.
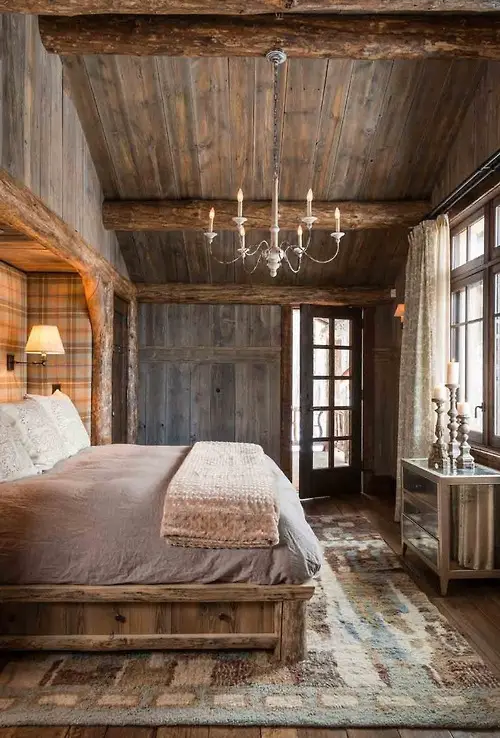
[95, 519]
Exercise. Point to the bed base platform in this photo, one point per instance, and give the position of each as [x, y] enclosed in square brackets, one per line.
[156, 617]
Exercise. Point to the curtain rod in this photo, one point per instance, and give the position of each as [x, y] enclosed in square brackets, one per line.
[489, 167]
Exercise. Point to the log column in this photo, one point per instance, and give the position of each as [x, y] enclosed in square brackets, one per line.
[99, 296]
[133, 373]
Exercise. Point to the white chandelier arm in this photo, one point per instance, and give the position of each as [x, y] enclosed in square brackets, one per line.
[325, 261]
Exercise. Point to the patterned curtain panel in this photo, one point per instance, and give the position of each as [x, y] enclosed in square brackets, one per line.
[425, 342]
[12, 332]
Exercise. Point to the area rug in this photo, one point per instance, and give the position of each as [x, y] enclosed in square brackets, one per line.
[380, 654]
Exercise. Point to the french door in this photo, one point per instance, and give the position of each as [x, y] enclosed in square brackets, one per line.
[330, 410]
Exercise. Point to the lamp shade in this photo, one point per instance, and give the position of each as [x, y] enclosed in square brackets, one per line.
[400, 311]
[44, 339]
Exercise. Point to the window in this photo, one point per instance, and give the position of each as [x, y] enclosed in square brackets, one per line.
[475, 317]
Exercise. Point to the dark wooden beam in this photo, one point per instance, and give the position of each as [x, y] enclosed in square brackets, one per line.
[243, 7]
[311, 36]
[180, 215]
[262, 294]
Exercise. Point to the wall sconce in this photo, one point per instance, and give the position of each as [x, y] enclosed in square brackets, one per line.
[400, 312]
[43, 340]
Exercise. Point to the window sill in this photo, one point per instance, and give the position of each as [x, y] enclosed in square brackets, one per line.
[486, 455]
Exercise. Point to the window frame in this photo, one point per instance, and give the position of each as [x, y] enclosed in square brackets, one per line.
[486, 267]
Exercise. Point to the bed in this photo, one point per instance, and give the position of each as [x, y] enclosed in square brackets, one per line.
[83, 567]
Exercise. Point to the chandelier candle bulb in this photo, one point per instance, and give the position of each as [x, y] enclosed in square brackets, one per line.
[453, 373]
[240, 203]
[337, 220]
[309, 202]
[299, 235]
[211, 216]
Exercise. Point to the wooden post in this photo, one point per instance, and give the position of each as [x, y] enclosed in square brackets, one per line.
[293, 631]
[99, 296]
[133, 373]
[286, 392]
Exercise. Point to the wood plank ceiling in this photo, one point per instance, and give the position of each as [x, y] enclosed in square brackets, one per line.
[25, 254]
[163, 127]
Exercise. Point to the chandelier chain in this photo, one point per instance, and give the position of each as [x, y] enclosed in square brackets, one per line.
[276, 163]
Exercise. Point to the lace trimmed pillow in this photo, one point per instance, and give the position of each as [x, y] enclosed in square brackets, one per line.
[39, 433]
[15, 461]
[67, 419]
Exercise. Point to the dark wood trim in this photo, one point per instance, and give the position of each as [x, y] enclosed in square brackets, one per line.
[177, 292]
[286, 391]
[243, 7]
[133, 373]
[368, 395]
[305, 36]
[178, 215]
[210, 354]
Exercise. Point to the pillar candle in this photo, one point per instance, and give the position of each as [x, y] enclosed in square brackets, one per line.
[453, 373]
[439, 392]
[463, 408]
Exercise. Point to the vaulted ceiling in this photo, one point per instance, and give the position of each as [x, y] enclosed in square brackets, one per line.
[173, 128]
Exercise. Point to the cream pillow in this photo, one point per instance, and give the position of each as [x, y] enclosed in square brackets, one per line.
[15, 461]
[39, 432]
[67, 419]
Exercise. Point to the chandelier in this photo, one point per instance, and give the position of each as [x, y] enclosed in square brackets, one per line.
[273, 251]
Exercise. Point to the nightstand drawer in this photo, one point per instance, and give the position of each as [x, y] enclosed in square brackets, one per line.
[421, 514]
[420, 487]
[422, 541]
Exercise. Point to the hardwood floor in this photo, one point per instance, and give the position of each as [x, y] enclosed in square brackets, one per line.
[473, 607]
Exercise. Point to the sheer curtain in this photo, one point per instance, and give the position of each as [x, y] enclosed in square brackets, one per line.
[425, 342]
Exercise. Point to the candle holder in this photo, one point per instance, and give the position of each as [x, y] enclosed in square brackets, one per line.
[309, 220]
[453, 445]
[465, 459]
[239, 220]
[438, 457]
[210, 235]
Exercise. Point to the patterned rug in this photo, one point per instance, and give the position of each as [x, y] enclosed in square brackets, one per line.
[380, 654]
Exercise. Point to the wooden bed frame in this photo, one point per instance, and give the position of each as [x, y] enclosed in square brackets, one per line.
[160, 617]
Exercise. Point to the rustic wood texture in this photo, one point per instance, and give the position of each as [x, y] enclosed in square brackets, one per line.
[133, 373]
[306, 36]
[261, 295]
[175, 215]
[197, 129]
[478, 137]
[99, 295]
[206, 731]
[244, 7]
[286, 391]
[23, 253]
[120, 379]
[154, 617]
[43, 143]
[210, 372]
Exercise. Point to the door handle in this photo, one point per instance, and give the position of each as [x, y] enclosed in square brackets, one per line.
[478, 407]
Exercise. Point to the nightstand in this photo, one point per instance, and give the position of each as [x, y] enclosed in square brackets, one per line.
[428, 525]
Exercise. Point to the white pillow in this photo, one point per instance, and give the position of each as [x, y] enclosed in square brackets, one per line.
[39, 432]
[67, 419]
[15, 461]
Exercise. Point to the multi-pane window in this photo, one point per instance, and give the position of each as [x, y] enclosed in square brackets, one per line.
[475, 317]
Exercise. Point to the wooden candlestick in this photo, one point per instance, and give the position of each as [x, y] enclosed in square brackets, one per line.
[465, 459]
[438, 457]
[453, 446]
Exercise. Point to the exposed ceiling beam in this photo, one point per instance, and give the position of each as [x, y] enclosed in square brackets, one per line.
[312, 36]
[244, 7]
[262, 294]
[180, 215]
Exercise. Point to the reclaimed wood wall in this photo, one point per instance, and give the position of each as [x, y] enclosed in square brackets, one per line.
[478, 136]
[42, 143]
[210, 372]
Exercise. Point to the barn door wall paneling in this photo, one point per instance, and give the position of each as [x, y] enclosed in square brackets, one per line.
[210, 372]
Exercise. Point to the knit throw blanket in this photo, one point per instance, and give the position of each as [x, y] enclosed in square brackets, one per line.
[222, 497]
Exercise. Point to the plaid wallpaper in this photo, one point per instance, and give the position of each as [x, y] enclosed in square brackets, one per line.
[59, 299]
[12, 332]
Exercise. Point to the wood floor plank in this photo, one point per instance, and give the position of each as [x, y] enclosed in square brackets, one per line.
[321, 733]
[79, 731]
[279, 732]
[407, 733]
[373, 733]
[183, 731]
[34, 731]
[231, 732]
[130, 732]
